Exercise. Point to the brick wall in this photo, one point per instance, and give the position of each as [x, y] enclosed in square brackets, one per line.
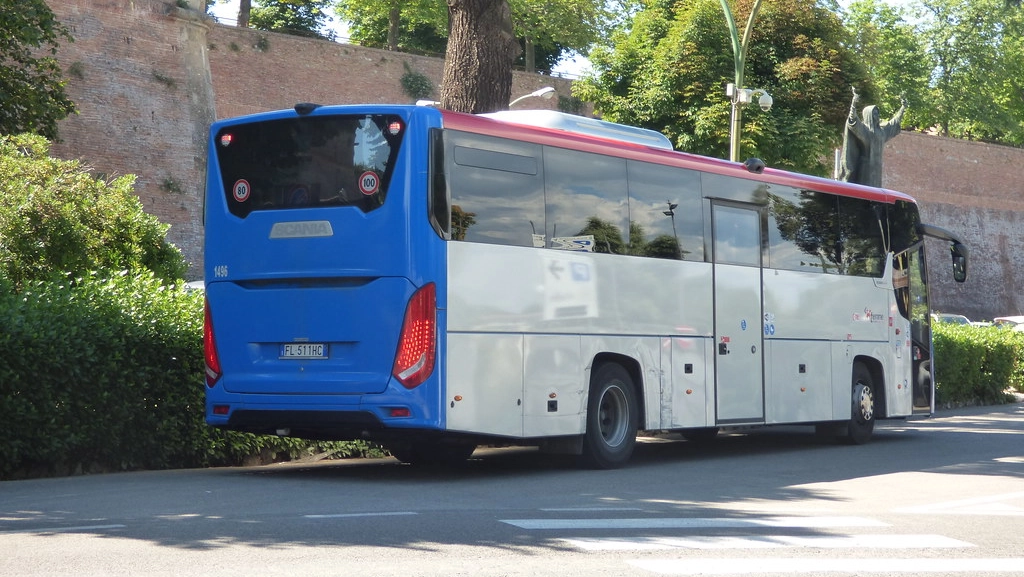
[127, 73]
[967, 188]
[150, 78]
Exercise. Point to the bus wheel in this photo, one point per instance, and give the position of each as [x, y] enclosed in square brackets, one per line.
[862, 422]
[611, 418]
[432, 453]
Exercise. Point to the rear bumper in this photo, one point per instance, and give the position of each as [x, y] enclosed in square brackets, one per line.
[317, 425]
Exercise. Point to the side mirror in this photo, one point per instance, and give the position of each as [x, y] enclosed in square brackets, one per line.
[959, 252]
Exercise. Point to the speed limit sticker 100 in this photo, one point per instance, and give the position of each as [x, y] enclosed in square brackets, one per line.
[369, 182]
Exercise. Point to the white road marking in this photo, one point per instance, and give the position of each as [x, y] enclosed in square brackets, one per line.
[588, 509]
[63, 529]
[347, 515]
[840, 566]
[767, 542]
[694, 523]
[991, 505]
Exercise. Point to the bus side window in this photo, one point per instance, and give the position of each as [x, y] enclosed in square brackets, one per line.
[666, 219]
[585, 200]
[497, 189]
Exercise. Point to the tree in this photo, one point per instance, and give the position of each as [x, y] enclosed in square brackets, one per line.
[296, 17]
[478, 62]
[545, 29]
[607, 236]
[567, 25]
[667, 71]
[244, 12]
[411, 25]
[975, 88]
[31, 88]
[894, 58]
[55, 220]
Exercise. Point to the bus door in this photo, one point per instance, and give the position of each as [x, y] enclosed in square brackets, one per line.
[739, 367]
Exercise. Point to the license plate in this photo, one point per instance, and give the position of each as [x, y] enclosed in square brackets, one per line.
[303, 351]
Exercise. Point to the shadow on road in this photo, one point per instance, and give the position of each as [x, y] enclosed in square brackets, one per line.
[381, 503]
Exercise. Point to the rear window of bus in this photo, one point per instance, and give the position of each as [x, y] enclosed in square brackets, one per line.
[305, 162]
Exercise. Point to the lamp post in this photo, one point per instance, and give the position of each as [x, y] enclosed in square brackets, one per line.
[741, 97]
[739, 54]
[671, 213]
[546, 93]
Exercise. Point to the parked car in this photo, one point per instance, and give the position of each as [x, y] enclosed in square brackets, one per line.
[1016, 322]
[951, 318]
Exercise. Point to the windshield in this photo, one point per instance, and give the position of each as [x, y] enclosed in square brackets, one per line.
[313, 161]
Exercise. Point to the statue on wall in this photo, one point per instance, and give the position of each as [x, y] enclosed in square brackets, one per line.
[864, 141]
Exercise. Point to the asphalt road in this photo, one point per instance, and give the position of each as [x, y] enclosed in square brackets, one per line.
[943, 496]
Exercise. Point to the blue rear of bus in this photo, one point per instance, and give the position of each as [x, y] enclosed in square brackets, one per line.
[318, 254]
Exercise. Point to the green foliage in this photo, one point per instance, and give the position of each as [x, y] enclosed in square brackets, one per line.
[31, 88]
[101, 371]
[894, 57]
[554, 28]
[57, 219]
[295, 17]
[105, 374]
[975, 85]
[95, 372]
[976, 364]
[418, 26]
[668, 72]
[959, 64]
[416, 84]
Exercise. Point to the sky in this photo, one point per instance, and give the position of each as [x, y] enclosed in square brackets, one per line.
[227, 13]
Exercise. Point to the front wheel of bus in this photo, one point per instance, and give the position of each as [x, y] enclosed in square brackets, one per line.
[862, 421]
[611, 418]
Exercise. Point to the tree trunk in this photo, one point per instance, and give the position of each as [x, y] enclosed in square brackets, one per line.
[478, 63]
[530, 56]
[393, 24]
[244, 8]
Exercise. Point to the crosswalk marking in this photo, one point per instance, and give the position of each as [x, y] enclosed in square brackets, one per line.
[693, 564]
[990, 505]
[695, 523]
[767, 542]
[793, 566]
[62, 529]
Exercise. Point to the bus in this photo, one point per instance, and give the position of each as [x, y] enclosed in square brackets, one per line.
[434, 281]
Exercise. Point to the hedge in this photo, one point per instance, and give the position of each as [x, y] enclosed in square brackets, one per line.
[976, 365]
[105, 374]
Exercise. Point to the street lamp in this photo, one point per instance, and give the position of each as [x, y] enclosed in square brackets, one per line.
[742, 96]
[739, 54]
[671, 213]
[546, 93]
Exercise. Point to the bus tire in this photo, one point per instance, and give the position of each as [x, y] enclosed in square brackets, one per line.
[612, 417]
[862, 418]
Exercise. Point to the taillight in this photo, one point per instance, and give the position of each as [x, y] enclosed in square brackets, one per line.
[417, 344]
[213, 372]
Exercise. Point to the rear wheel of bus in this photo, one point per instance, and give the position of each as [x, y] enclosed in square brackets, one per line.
[612, 417]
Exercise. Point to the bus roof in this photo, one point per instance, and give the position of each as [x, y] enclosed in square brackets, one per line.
[551, 130]
[584, 125]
